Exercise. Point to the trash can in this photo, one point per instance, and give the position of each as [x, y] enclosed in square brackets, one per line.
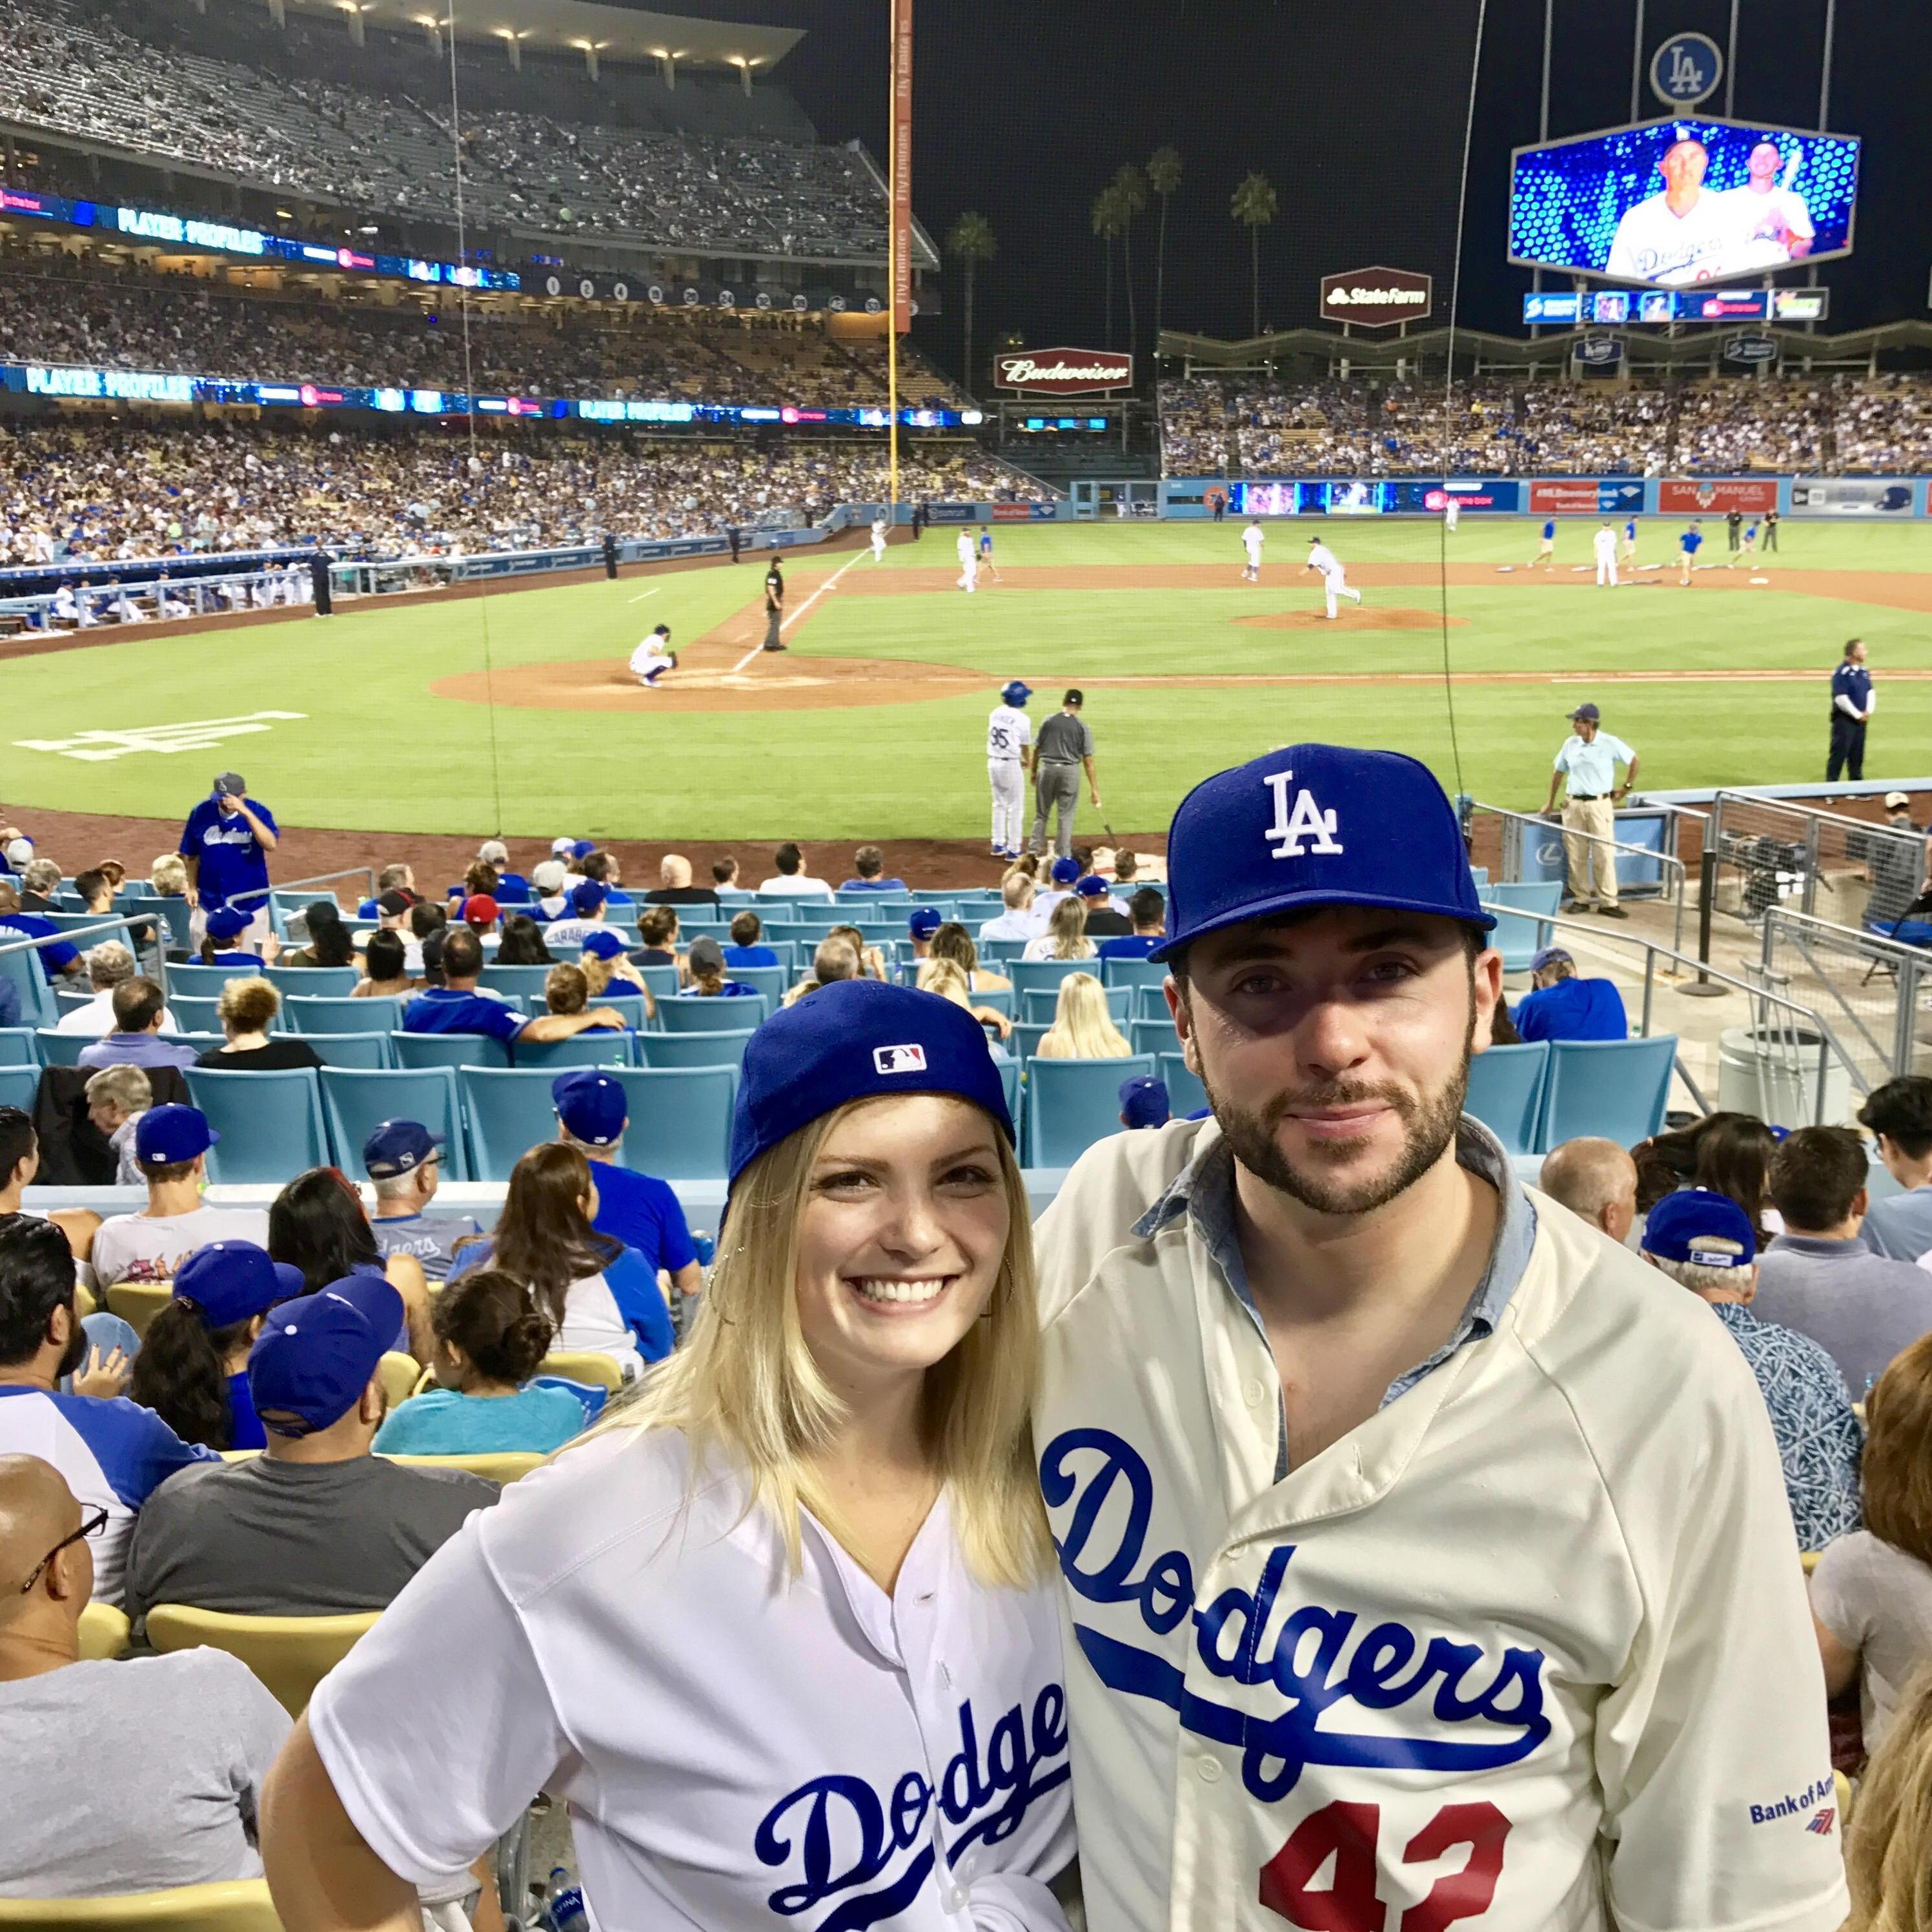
[1773, 1073]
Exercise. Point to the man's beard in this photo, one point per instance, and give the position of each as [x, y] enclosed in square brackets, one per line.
[1429, 1125]
[76, 1357]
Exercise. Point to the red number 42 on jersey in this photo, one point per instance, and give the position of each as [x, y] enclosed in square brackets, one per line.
[1347, 1833]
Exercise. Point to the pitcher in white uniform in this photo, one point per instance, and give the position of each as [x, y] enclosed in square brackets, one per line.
[969, 561]
[1009, 758]
[1426, 1563]
[1603, 548]
[1253, 538]
[778, 1634]
[878, 539]
[1334, 580]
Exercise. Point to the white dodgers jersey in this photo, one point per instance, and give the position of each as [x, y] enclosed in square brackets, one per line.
[1527, 1651]
[1009, 732]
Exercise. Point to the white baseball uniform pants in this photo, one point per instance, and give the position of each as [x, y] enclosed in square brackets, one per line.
[1336, 587]
[969, 574]
[1606, 570]
[878, 549]
[1009, 788]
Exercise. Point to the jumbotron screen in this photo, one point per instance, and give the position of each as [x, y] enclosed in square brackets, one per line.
[1683, 201]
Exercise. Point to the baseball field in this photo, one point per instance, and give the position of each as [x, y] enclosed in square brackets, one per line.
[513, 711]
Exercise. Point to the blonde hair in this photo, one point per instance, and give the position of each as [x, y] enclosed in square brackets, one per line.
[248, 1005]
[127, 1087]
[168, 875]
[566, 988]
[1888, 1845]
[598, 972]
[1083, 1025]
[745, 1382]
[1068, 927]
[944, 977]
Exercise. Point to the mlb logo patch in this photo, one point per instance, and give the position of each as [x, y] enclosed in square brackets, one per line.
[910, 1059]
[1822, 1823]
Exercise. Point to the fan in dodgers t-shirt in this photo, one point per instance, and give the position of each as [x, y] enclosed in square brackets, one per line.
[171, 1145]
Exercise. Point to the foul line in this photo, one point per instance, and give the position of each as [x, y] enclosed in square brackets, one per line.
[788, 623]
[642, 595]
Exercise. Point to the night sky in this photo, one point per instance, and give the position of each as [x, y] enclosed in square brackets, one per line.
[1354, 111]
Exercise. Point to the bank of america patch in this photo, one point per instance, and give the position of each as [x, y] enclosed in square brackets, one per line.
[1822, 1823]
[910, 1059]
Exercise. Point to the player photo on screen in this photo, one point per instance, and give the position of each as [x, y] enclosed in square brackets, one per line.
[1677, 202]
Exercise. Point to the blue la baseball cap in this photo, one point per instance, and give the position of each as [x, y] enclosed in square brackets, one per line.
[591, 1105]
[1548, 956]
[582, 848]
[227, 922]
[228, 1282]
[925, 921]
[603, 945]
[1697, 1224]
[164, 1136]
[397, 1147]
[1143, 1102]
[588, 897]
[1015, 693]
[1093, 886]
[1312, 826]
[1065, 872]
[853, 1040]
[311, 1362]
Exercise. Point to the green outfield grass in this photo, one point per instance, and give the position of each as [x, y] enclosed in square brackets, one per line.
[371, 750]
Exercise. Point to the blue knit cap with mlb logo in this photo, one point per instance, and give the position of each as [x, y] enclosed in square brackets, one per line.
[1312, 826]
[854, 1040]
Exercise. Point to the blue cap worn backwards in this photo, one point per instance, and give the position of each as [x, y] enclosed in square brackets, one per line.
[228, 1282]
[1699, 1225]
[1312, 825]
[165, 1136]
[856, 1040]
[311, 1364]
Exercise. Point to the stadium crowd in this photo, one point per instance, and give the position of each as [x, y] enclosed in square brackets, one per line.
[1502, 426]
[126, 493]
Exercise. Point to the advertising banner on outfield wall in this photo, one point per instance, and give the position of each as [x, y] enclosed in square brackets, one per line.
[1706, 496]
[1564, 496]
[1024, 513]
[1850, 496]
[1505, 498]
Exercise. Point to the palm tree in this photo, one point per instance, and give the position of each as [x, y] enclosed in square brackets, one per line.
[1254, 206]
[1109, 221]
[1163, 174]
[970, 242]
[1129, 185]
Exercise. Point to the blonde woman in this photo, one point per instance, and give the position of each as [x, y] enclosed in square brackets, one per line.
[1889, 1842]
[607, 968]
[168, 875]
[247, 1010]
[953, 942]
[1066, 935]
[942, 977]
[872, 960]
[778, 1632]
[1083, 1025]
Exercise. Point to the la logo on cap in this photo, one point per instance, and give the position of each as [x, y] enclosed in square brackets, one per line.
[1304, 819]
[910, 1059]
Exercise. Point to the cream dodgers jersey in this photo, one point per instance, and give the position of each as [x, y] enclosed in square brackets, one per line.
[1529, 1651]
[1009, 732]
[1653, 245]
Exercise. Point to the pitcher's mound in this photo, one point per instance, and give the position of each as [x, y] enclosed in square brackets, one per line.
[1368, 617]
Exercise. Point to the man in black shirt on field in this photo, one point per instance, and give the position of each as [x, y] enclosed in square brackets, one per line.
[1064, 746]
[774, 607]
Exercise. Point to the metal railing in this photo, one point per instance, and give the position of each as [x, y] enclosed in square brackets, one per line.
[278, 920]
[1872, 986]
[1771, 852]
[1777, 1021]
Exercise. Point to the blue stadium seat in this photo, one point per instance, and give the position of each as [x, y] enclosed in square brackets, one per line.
[19, 1046]
[896, 895]
[23, 971]
[313, 982]
[202, 983]
[355, 1102]
[1000, 999]
[693, 1014]
[1030, 975]
[1506, 1089]
[450, 1049]
[1072, 1103]
[66, 1002]
[196, 1043]
[1042, 1002]
[270, 1124]
[176, 913]
[1002, 955]
[195, 1015]
[18, 1086]
[370, 1051]
[1185, 1093]
[1155, 1036]
[662, 980]
[379, 1013]
[508, 1111]
[629, 1007]
[1150, 1004]
[1519, 937]
[771, 981]
[597, 1046]
[1617, 1088]
[1023, 1041]
[680, 1127]
[61, 1049]
[527, 981]
[1134, 973]
[691, 1049]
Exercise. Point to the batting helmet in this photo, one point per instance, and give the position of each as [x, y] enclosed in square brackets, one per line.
[1015, 693]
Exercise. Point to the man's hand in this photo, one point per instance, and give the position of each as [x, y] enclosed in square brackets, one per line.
[104, 1379]
[1096, 797]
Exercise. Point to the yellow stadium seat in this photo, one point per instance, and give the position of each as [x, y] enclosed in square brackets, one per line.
[501, 1466]
[424, 1382]
[137, 1303]
[291, 1655]
[1859, 1410]
[1809, 1557]
[84, 1303]
[237, 1905]
[586, 1365]
[398, 1374]
[239, 1455]
[103, 1632]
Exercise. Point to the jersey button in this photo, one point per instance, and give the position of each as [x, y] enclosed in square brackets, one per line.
[1254, 1392]
[1208, 1770]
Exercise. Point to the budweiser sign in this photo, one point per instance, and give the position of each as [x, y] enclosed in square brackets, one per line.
[1062, 372]
[1376, 297]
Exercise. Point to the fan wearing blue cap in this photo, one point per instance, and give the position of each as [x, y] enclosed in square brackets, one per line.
[192, 1370]
[586, 916]
[1320, 1357]
[403, 1161]
[1704, 1241]
[1562, 1005]
[221, 946]
[829, 1486]
[1009, 760]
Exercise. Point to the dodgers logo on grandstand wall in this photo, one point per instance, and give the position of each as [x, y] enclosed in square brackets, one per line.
[1062, 372]
[1444, 1704]
[1685, 70]
[836, 1835]
[1376, 297]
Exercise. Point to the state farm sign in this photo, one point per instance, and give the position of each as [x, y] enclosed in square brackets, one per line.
[1062, 372]
[1376, 297]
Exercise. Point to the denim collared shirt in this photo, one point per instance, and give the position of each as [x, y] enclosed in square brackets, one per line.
[1204, 1190]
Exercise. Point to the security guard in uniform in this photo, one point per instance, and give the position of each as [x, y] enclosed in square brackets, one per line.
[1589, 759]
[1852, 704]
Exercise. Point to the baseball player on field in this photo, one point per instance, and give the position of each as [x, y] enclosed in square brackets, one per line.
[1452, 512]
[1009, 760]
[654, 657]
[1402, 1589]
[1603, 547]
[827, 1494]
[969, 561]
[878, 539]
[1252, 537]
[1334, 583]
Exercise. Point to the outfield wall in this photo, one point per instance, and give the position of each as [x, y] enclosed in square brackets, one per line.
[1828, 498]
